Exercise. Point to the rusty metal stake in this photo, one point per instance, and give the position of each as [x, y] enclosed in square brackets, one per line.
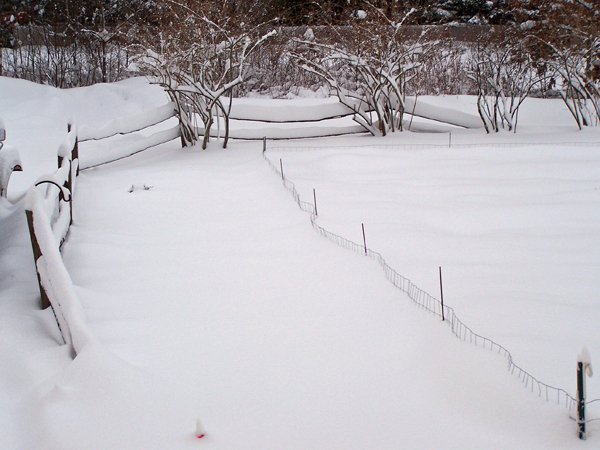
[364, 238]
[442, 294]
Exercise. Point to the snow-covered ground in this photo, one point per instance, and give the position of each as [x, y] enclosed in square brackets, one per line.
[212, 299]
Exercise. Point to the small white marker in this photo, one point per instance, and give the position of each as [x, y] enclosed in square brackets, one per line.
[200, 433]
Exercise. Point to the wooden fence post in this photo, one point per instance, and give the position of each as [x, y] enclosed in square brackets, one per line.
[75, 155]
[37, 253]
[69, 181]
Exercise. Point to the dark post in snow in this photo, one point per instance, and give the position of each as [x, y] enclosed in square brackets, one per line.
[442, 294]
[364, 238]
[264, 144]
[581, 399]
[281, 167]
[37, 253]
[584, 367]
[69, 181]
[75, 152]
[315, 201]
[450, 139]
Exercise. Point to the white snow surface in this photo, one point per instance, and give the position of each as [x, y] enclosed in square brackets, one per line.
[212, 301]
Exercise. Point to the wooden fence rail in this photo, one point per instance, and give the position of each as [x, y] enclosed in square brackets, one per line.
[49, 211]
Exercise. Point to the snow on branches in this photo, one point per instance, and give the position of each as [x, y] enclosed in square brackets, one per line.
[578, 68]
[199, 65]
[368, 70]
[504, 73]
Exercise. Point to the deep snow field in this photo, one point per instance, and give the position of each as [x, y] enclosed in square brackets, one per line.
[212, 298]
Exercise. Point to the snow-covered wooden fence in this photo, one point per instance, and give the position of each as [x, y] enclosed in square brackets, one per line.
[9, 161]
[138, 131]
[49, 213]
[253, 119]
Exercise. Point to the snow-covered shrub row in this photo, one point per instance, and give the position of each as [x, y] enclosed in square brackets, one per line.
[43, 57]
[274, 73]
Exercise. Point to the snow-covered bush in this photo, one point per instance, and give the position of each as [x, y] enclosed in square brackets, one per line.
[368, 69]
[568, 41]
[577, 70]
[504, 74]
[199, 64]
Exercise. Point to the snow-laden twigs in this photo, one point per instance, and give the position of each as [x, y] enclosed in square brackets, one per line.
[574, 67]
[200, 66]
[504, 74]
[368, 72]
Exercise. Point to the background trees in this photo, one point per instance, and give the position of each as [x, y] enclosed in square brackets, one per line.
[570, 39]
[546, 48]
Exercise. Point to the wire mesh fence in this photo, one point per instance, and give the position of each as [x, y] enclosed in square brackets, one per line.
[425, 300]
[439, 145]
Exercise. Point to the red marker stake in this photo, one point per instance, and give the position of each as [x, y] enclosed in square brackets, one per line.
[200, 433]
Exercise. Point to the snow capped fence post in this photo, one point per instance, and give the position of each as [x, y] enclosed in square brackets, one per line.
[281, 168]
[315, 201]
[68, 153]
[584, 367]
[75, 149]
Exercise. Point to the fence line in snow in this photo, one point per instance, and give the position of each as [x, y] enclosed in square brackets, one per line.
[49, 211]
[426, 301]
[104, 149]
[399, 146]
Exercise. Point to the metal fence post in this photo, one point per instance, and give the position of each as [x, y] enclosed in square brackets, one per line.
[364, 238]
[442, 294]
[584, 368]
[581, 400]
